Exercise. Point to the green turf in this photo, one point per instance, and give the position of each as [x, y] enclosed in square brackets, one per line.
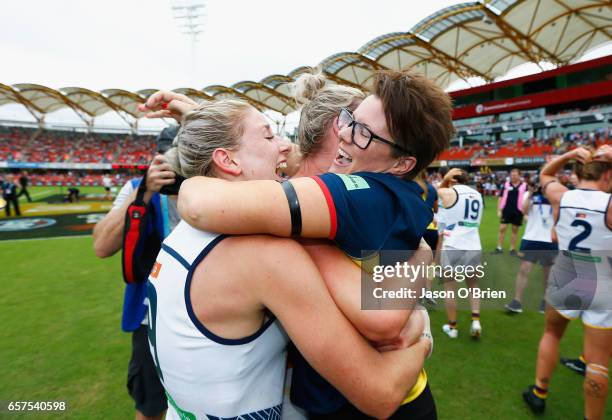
[61, 339]
[40, 194]
[60, 334]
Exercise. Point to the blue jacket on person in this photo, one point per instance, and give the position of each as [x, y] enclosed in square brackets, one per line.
[134, 309]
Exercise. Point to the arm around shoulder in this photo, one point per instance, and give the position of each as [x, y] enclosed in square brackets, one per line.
[252, 207]
[375, 382]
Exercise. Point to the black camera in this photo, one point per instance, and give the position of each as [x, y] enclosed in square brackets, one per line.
[166, 137]
[173, 189]
[164, 143]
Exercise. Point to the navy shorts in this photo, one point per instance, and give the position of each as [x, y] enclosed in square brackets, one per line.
[539, 252]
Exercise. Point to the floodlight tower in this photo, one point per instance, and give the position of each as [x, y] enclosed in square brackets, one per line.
[189, 15]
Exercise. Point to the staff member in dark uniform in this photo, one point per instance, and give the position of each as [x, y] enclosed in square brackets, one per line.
[23, 182]
[9, 193]
[509, 210]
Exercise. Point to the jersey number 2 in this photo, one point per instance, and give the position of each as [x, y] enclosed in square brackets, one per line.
[573, 245]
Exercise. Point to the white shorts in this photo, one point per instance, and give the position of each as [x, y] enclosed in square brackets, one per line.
[600, 319]
[453, 257]
[576, 290]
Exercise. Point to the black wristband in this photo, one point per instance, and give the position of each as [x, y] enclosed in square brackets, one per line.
[294, 208]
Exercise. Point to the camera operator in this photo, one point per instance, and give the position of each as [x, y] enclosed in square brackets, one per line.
[143, 383]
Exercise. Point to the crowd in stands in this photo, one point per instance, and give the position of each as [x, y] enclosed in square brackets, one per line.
[529, 116]
[30, 145]
[76, 178]
[558, 144]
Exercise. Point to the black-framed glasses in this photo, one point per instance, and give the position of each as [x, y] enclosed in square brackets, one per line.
[362, 136]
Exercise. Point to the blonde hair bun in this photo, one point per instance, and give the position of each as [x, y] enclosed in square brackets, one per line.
[307, 85]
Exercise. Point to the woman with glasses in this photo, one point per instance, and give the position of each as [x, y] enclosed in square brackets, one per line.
[317, 136]
[369, 204]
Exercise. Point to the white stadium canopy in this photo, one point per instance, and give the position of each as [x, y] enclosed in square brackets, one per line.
[484, 39]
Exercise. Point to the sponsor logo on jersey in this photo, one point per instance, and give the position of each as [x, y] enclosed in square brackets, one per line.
[25, 224]
[156, 269]
[354, 182]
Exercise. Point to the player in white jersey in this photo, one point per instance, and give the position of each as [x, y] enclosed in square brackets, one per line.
[536, 245]
[462, 212]
[580, 283]
[214, 300]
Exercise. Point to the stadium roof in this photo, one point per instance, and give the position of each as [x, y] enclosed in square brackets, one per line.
[477, 39]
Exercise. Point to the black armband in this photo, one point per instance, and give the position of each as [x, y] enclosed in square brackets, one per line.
[294, 208]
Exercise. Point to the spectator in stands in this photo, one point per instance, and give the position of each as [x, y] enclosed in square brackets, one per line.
[9, 194]
[23, 182]
[509, 210]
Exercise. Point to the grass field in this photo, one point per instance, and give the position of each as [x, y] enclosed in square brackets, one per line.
[61, 339]
[47, 201]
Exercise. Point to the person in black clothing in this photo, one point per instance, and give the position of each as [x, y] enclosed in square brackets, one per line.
[23, 182]
[73, 195]
[509, 210]
[9, 193]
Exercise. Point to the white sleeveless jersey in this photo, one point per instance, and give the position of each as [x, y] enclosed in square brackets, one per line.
[582, 221]
[204, 375]
[540, 220]
[462, 220]
[582, 274]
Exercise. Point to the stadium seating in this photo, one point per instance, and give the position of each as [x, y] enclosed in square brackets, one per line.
[30, 145]
[70, 178]
[19, 144]
[528, 148]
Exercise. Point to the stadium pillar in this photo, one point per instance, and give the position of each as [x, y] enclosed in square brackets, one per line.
[134, 127]
[90, 125]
